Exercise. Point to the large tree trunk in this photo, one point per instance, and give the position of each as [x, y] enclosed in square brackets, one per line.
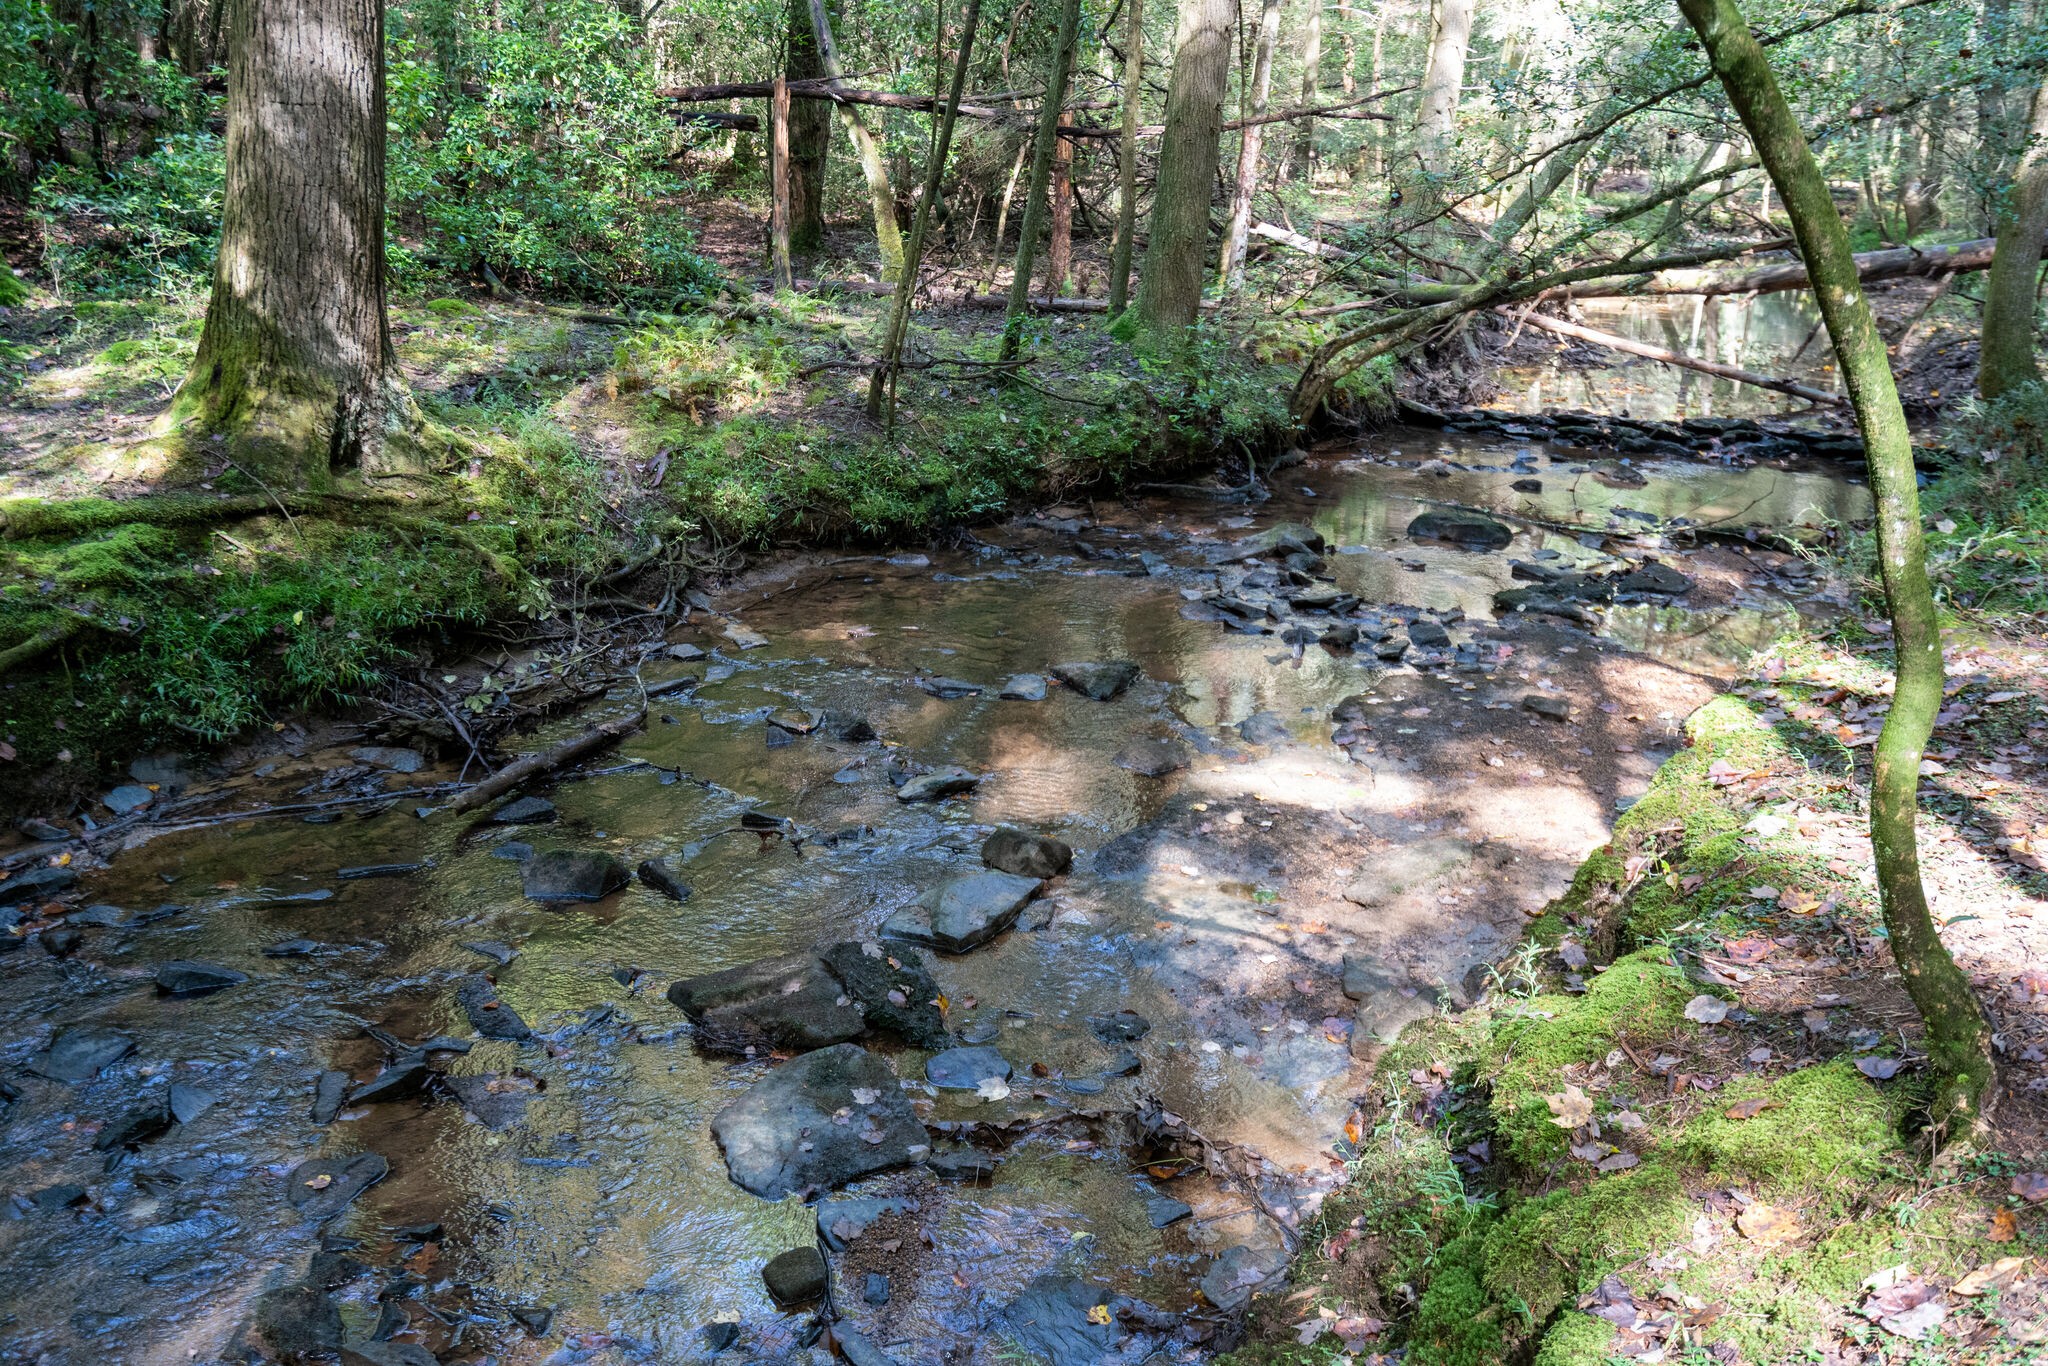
[2007, 357]
[1059, 246]
[1958, 1038]
[810, 137]
[1170, 286]
[881, 194]
[1437, 117]
[1043, 148]
[1239, 231]
[1311, 83]
[1127, 159]
[295, 369]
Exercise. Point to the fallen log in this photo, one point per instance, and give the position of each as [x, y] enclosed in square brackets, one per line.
[1872, 267]
[1678, 358]
[548, 760]
[1273, 232]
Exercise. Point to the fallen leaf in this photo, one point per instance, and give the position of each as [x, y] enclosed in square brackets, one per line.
[1618, 1162]
[1749, 1109]
[865, 1095]
[1996, 1276]
[993, 1088]
[1768, 1225]
[2005, 1226]
[320, 1182]
[2031, 1187]
[1706, 1009]
[1099, 1314]
[1570, 1107]
[1878, 1069]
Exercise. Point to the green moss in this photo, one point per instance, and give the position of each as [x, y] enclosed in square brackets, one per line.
[1827, 1127]
[1458, 1323]
[453, 308]
[1545, 1251]
[1642, 996]
[1576, 1340]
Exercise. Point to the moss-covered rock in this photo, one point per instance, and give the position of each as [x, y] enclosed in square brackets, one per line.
[1825, 1127]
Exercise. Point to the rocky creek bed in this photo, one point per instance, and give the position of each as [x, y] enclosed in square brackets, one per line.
[978, 954]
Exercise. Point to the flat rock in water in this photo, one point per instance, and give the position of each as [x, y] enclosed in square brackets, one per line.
[965, 913]
[371, 1352]
[790, 1004]
[501, 954]
[1124, 1026]
[330, 1093]
[1164, 1209]
[1010, 850]
[573, 875]
[1240, 1272]
[930, 787]
[796, 1277]
[488, 1015]
[495, 1109]
[1427, 633]
[841, 1222]
[656, 875]
[893, 990]
[1652, 577]
[781, 1136]
[1473, 530]
[964, 1069]
[189, 1102]
[854, 730]
[1055, 1320]
[1265, 727]
[294, 1322]
[744, 638]
[396, 760]
[1102, 680]
[875, 1289]
[948, 689]
[1153, 758]
[1382, 1016]
[189, 977]
[1024, 688]
[322, 1187]
[35, 885]
[859, 1351]
[1407, 866]
[401, 1081]
[962, 1162]
[524, 811]
[1288, 538]
[82, 1053]
[128, 798]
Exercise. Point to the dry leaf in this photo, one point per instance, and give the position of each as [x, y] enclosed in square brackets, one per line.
[1878, 1069]
[1996, 1276]
[1749, 1109]
[1570, 1107]
[1706, 1009]
[2005, 1226]
[2031, 1187]
[1099, 1314]
[1768, 1225]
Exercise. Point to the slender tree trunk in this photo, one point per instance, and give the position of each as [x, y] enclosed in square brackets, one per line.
[1958, 1037]
[882, 385]
[1042, 149]
[995, 254]
[1059, 246]
[881, 194]
[2006, 360]
[1238, 234]
[295, 369]
[1170, 286]
[1127, 159]
[1311, 84]
[810, 137]
[779, 230]
[1436, 122]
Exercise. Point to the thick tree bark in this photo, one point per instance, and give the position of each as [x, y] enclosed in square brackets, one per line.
[1170, 287]
[295, 369]
[881, 194]
[1127, 158]
[1042, 150]
[1252, 140]
[1436, 119]
[2006, 360]
[779, 178]
[1958, 1037]
[810, 137]
[1059, 245]
[1311, 81]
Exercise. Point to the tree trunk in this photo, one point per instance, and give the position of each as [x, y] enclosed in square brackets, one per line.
[810, 137]
[1127, 159]
[881, 195]
[1958, 1037]
[779, 250]
[2007, 356]
[1442, 82]
[1042, 150]
[1059, 246]
[295, 367]
[995, 254]
[1170, 286]
[1238, 233]
[1311, 83]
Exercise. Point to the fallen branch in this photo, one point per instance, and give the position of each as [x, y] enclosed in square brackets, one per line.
[548, 760]
[1680, 359]
[1299, 241]
[1872, 267]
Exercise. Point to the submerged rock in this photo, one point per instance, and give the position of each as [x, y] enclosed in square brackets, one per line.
[1658, 579]
[965, 913]
[945, 782]
[495, 1108]
[798, 1002]
[573, 875]
[1059, 1319]
[35, 885]
[294, 1323]
[401, 1081]
[947, 689]
[322, 1187]
[1473, 530]
[1100, 680]
[1267, 728]
[858, 1350]
[1427, 633]
[1406, 866]
[964, 1069]
[656, 875]
[395, 760]
[1010, 850]
[781, 1136]
[841, 1222]
[524, 811]
[1240, 1273]
[189, 977]
[1288, 538]
[796, 1277]
[1123, 1026]
[82, 1053]
[488, 1015]
[1153, 758]
[1024, 688]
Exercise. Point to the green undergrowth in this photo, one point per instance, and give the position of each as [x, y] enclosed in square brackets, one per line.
[1474, 1218]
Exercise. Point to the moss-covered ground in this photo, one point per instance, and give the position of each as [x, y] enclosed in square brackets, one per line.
[594, 464]
[1682, 1126]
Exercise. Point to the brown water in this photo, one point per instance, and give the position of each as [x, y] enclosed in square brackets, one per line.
[609, 1202]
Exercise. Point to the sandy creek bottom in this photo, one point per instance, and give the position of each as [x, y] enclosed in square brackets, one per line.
[1211, 901]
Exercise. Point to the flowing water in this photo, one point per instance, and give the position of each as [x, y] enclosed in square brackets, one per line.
[600, 1224]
